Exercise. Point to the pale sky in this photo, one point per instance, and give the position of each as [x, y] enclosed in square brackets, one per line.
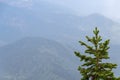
[110, 8]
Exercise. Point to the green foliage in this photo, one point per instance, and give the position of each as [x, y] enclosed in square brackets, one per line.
[93, 67]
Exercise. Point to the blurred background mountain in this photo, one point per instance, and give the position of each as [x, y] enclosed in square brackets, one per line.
[38, 38]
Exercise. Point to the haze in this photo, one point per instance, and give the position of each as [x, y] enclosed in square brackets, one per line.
[39, 36]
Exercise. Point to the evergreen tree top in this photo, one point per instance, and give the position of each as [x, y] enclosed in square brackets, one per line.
[93, 67]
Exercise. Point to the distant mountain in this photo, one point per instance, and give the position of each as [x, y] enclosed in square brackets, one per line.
[35, 58]
[50, 21]
[97, 20]
[43, 19]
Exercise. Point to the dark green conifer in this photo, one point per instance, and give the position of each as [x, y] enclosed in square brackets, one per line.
[93, 67]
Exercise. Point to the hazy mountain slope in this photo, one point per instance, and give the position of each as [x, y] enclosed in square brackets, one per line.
[50, 21]
[97, 20]
[37, 59]
[43, 19]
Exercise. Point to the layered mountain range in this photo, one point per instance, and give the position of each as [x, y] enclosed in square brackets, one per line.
[38, 38]
[34, 58]
[50, 21]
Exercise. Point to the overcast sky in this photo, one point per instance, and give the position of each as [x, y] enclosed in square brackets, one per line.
[110, 8]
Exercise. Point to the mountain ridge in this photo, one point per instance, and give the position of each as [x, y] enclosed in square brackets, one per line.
[34, 58]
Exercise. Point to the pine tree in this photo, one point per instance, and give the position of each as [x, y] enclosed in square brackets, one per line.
[93, 67]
